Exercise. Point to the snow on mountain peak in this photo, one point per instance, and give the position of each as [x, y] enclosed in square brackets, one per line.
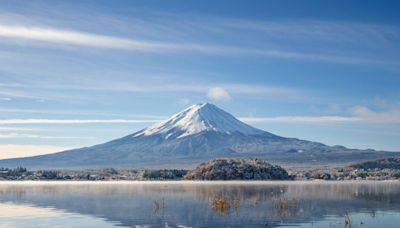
[198, 118]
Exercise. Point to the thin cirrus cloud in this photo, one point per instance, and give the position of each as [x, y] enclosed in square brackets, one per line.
[250, 120]
[358, 114]
[73, 121]
[32, 136]
[73, 37]
[301, 119]
[70, 37]
[16, 129]
[18, 151]
[80, 113]
[391, 116]
[211, 90]
[348, 32]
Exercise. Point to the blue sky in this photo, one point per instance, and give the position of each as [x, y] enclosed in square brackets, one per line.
[78, 73]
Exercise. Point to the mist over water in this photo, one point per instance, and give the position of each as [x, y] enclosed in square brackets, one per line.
[200, 204]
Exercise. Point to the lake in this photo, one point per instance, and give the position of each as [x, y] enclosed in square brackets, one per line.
[199, 204]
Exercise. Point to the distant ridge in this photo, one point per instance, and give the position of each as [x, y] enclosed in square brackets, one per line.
[198, 133]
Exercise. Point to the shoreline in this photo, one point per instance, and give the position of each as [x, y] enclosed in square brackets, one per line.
[196, 182]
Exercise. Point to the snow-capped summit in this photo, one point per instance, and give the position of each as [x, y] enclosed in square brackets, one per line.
[199, 118]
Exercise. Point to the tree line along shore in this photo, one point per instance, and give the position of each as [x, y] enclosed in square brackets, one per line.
[219, 169]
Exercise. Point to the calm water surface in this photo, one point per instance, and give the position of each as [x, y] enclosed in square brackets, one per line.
[199, 204]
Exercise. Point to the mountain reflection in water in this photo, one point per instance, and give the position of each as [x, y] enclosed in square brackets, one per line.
[205, 204]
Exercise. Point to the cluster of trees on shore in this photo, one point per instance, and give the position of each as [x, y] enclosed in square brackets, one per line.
[237, 169]
[164, 174]
[381, 169]
[105, 174]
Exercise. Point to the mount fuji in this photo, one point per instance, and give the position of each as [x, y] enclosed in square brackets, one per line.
[198, 133]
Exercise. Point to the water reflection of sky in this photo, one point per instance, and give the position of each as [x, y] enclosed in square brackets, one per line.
[26, 215]
[217, 204]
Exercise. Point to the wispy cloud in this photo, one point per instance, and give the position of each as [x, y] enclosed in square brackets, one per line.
[33, 136]
[16, 129]
[16, 93]
[350, 32]
[101, 84]
[391, 116]
[358, 114]
[82, 113]
[74, 37]
[73, 121]
[71, 37]
[380, 118]
[17, 151]
[301, 119]
[266, 90]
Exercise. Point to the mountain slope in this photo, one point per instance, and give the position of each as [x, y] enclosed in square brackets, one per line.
[199, 132]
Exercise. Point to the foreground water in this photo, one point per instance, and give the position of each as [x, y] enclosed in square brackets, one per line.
[199, 204]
